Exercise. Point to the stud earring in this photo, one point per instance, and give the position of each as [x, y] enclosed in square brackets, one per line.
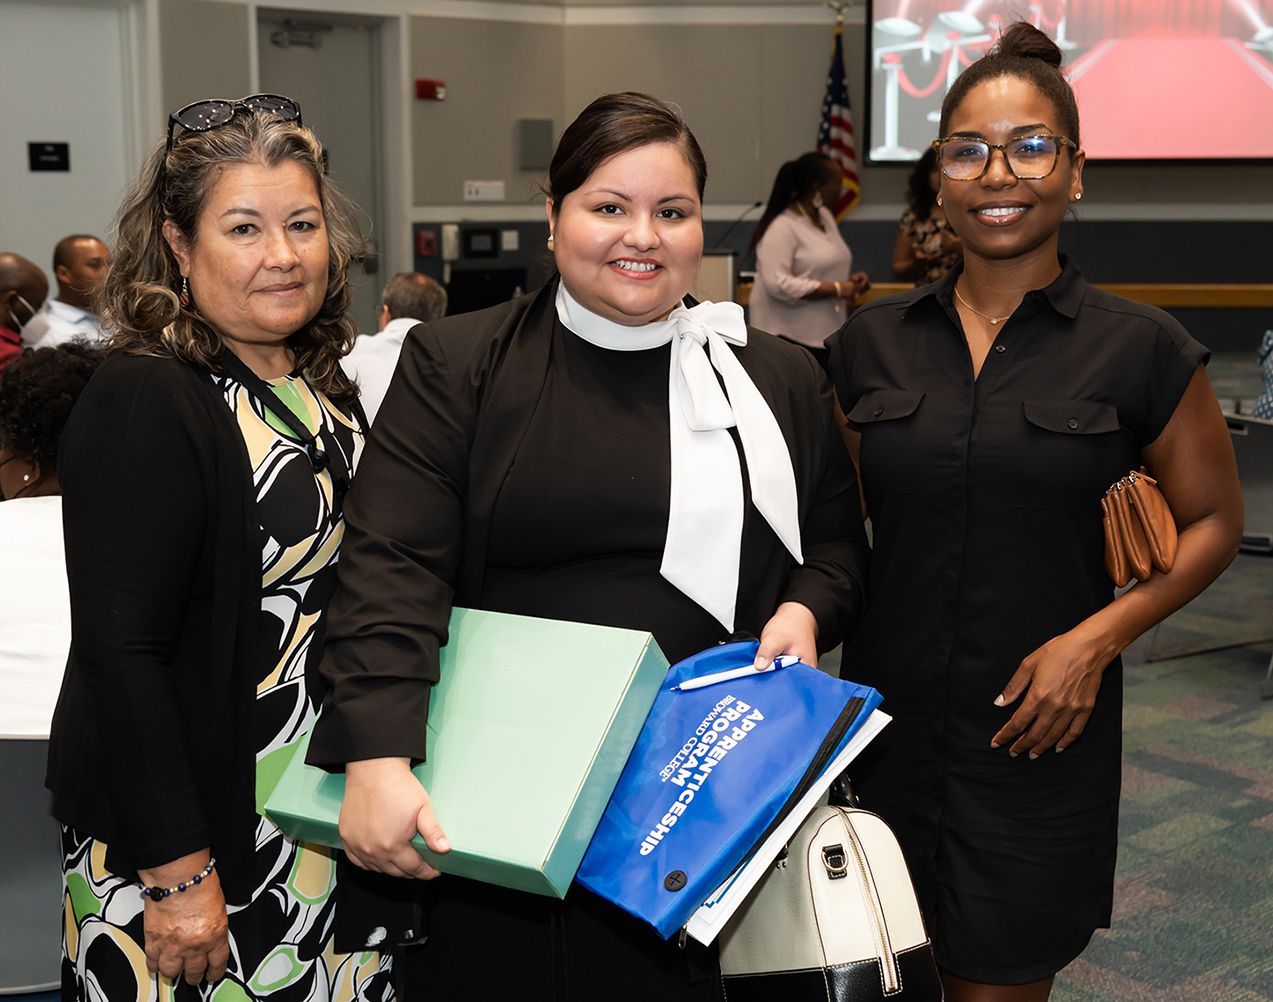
[1078, 195]
[26, 478]
[184, 297]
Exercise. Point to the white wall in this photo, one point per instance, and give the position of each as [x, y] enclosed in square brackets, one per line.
[63, 81]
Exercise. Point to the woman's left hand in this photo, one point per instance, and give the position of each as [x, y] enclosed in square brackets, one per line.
[1060, 681]
[791, 630]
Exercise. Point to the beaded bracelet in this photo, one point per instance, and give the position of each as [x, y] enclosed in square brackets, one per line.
[158, 893]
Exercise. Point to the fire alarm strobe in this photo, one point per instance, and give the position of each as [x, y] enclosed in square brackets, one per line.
[430, 90]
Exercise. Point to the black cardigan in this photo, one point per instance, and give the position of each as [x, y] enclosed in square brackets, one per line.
[151, 748]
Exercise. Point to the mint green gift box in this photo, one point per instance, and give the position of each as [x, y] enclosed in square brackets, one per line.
[529, 727]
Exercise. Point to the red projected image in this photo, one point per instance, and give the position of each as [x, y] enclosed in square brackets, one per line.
[1155, 79]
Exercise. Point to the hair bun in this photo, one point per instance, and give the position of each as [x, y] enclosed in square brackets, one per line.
[1023, 40]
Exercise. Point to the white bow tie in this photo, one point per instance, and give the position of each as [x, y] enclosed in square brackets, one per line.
[702, 553]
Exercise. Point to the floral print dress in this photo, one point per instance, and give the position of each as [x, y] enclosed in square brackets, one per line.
[281, 942]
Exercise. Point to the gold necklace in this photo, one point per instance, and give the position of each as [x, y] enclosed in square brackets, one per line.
[996, 321]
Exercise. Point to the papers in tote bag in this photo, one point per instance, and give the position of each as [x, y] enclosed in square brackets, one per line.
[706, 923]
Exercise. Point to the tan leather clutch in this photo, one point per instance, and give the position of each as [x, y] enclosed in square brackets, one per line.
[1140, 532]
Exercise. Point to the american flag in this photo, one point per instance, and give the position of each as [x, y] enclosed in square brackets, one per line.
[835, 134]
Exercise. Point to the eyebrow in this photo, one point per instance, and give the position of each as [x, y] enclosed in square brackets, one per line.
[239, 210]
[628, 198]
[1018, 130]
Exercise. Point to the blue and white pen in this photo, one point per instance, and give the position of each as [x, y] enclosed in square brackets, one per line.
[782, 661]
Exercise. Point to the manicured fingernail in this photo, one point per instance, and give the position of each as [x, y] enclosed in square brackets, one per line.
[444, 844]
[994, 744]
[1033, 756]
[1059, 749]
[1013, 754]
[999, 700]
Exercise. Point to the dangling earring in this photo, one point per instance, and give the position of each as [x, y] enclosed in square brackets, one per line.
[939, 201]
[184, 297]
[550, 241]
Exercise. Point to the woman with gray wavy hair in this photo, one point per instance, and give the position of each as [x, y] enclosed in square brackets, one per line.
[203, 472]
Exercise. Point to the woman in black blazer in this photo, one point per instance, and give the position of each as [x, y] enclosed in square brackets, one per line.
[571, 455]
[203, 476]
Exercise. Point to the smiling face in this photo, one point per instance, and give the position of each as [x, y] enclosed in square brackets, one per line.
[629, 240]
[998, 216]
[257, 266]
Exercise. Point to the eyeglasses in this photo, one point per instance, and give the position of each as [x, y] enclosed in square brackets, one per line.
[1030, 158]
[203, 116]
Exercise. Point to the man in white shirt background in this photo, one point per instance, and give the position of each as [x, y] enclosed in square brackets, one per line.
[409, 298]
[80, 263]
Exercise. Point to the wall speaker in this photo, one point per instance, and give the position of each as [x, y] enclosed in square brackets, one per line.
[534, 143]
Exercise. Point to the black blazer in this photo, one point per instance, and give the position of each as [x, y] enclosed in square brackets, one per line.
[151, 748]
[418, 516]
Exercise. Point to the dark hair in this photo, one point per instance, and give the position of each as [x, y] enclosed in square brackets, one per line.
[410, 294]
[919, 187]
[1022, 51]
[37, 392]
[139, 303]
[614, 124]
[796, 180]
[62, 252]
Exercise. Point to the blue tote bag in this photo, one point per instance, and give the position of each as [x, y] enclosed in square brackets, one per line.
[714, 770]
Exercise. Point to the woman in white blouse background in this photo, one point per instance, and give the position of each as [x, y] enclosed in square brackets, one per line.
[36, 397]
[805, 285]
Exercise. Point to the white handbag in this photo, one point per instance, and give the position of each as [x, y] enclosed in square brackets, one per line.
[836, 919]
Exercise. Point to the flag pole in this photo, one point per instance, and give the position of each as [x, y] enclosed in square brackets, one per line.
[835, 129]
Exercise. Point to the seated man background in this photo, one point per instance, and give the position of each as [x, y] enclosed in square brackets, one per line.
[22, 291]
[408, 299]
[80, 263]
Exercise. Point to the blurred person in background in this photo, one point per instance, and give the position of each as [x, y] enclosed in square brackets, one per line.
[80, 263]
[23, 288]
[409, 298]
[805, 284]
[37, 392]
[926, 247]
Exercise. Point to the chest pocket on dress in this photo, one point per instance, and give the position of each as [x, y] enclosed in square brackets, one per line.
[1071, 447]
[888, 454]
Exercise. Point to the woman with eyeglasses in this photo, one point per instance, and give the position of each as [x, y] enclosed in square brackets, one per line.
[987, 414]
[203, 473]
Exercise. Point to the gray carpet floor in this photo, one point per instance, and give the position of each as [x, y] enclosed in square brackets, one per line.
[1193, 905]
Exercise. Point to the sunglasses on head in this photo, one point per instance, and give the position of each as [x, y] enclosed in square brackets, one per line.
[203, 116]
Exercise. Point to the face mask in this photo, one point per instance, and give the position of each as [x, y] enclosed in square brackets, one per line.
[21, 324]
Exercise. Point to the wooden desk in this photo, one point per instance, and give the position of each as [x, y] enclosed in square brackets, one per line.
[1203, 296]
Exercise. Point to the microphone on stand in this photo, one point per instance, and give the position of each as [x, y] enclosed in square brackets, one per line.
[729, 230]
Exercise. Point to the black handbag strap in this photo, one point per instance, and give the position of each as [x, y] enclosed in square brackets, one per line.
[320, 455]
